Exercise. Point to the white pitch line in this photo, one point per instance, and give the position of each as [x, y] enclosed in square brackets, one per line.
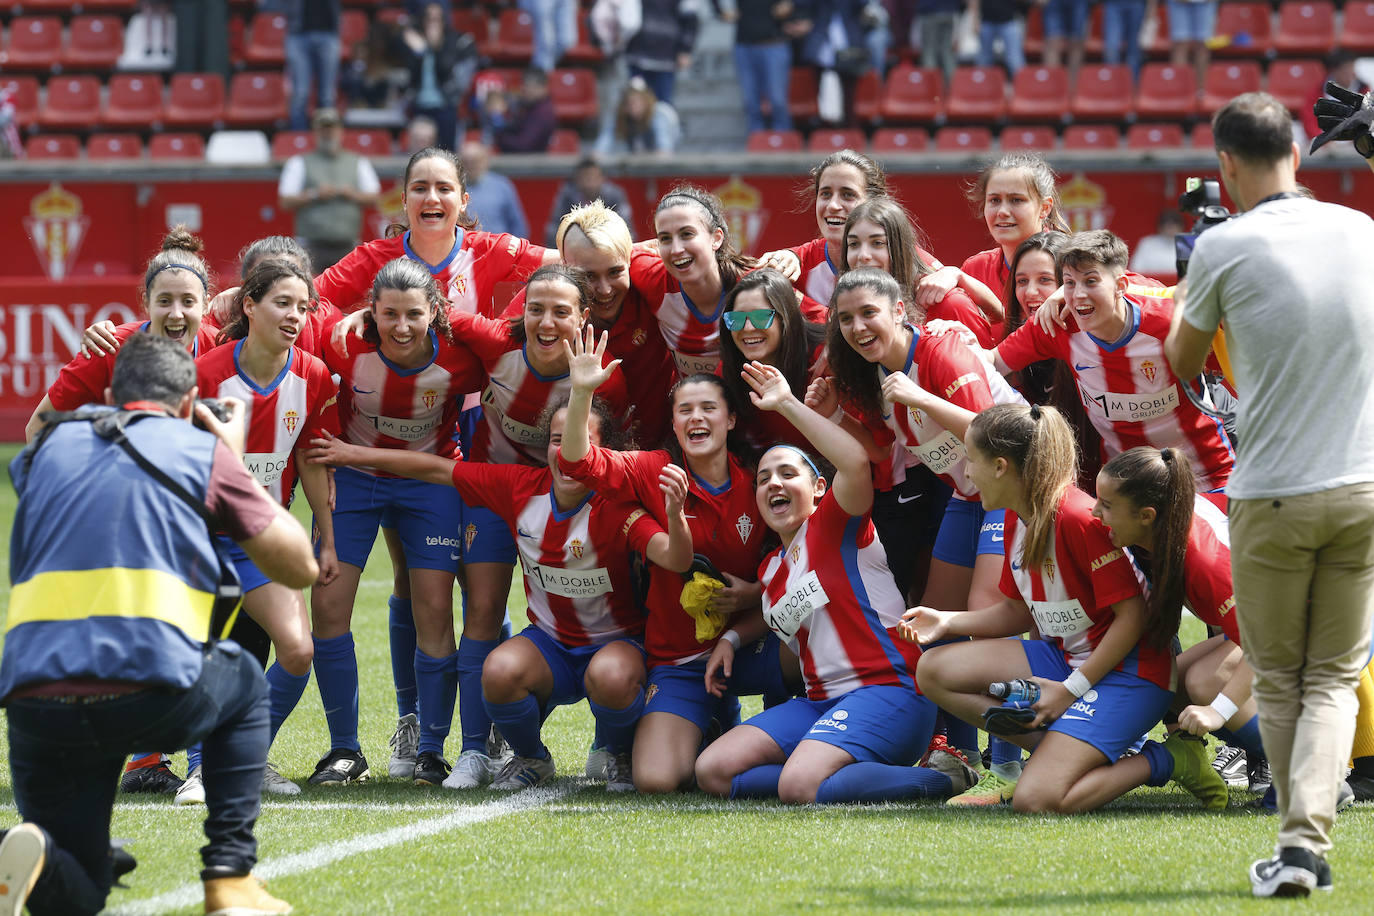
[329, 853]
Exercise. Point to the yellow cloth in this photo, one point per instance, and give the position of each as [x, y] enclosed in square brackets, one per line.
[1364, 720]
[697, 596]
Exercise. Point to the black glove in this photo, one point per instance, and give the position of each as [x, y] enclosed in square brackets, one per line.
[1345, 116]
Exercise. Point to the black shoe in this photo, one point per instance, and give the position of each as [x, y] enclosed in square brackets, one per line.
[121, 863]
[1291, 873]
[1323, 875]
[1361, 785]
[431, 769]
[340, 767]
[157, 779]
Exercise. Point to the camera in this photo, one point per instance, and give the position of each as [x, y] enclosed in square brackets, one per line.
[1202, 201]
[217, 407]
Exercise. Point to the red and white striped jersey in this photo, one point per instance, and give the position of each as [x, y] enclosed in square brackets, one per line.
[83, 381]
[467, 278]
[830, 596]
[384, 406]
[1207, 569]
[944, 366]
[576, 563]
[1128, 388]
[516, 395]
[725, 525]
[819, 269]
[298, 406]
[1072, 592]
[314, 335]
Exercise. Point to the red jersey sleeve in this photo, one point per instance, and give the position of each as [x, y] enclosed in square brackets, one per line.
[502, 488]
[809, 254]
[324, 400]
[1207, 581]
[639, 525]
[346, 284]
[487, 338]
[620, 473]
[1028, 344]
[957, 306]
[516, 307]
[1110, 573]
[812, 310]
[83, 381]
[952, 371]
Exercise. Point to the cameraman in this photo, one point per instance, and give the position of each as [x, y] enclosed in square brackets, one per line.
[1288, 280]
[111, 642]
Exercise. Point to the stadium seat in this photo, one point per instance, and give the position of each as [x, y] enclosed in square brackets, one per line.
[72, 101]
[1103, 93]
[1306, 27]
[1200, 137]
[827, 141]
[176, 146]
[52, 146]
[1034, 43]
[265, 43]
[1242, 30]
[515, 41]
[1296, 83]
[23, 93]
[256, 99]
[149, 42]
[353, 29]
[106, 6]
[375, 141]
[114, 146]
[868, 91]
[912, 95]
[1041, 138]
[585, 52]
[133, 100]
[963, 140]
[1162, 47]
[472, 21]
[901, 140]
[574, 96]
[288, 143]
[35, 43]
[196, 100]
[238, 147]
[1357, 26]
[1040, 94]
[93, 43]
[1093, 43]
[976, 95]
[1227, 79]
[774, 141]
[565, 142]
[1092, 137]
[803, 87]
[1166, 92]
[1154, 136]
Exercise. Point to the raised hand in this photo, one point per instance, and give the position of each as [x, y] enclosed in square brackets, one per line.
[585, 353]
[672, 481]
[822, 397]
[770, 388]
[900, 388]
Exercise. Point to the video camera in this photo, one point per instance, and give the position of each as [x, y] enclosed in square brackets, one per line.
[1202, 201]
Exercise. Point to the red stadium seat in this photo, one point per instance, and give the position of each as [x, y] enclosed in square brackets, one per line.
[565, 142]
[134, 100]
[52, 146]
[375, 141]
[774, 141]
[574, 96]
[1162, 46]
[1201, 137]
[827, 141]
[901, 140]
[505, 78]
[963, 140]
[72, 101]
[1166, 92]
[1306, 27]
[35, 43]
[585, 52]
[1040, 138]
[1040, 94]
[114, 146]
[1296, 83]
[1154, 136]
[353, 29]
[1034, 43]
[868, 93]
[176, 146]
[802, 89]
[196, 100]
[23, 92]
[515, 44]
[976, 94]
[1092, 137]
[93, 43]
[103, 6]
[1357, 26]
[288, 143]
[265, 43]
[1103, 93]
[1248, 28]
[472, 21]
[256, 99]
[912, 95]
[1227, 79]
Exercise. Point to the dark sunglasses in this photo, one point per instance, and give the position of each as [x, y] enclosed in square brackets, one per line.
[759, 318]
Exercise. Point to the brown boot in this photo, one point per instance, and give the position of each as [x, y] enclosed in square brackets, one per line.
[244, 895]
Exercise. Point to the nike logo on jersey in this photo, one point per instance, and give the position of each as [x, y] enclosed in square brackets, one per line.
[357, 390]
[1077, 718]
[907, 499]
[1083, 368]
[1015, 565]
[523, 533]
[453, 556]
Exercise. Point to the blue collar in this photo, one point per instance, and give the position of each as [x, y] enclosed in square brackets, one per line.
[439, 268]
[405, 373]
[1132, 325]
[271, 386]
[561, 516]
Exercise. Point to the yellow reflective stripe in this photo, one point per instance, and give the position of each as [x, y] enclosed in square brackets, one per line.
[112, 592]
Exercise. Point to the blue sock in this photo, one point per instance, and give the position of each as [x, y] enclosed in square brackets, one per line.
[1161, 763]
[402, 654]
[284, 691]
[1247, 737]
[961, 734]
[472, 710]
[506, 629]
[336, 674]
[759, 782]
[519, 723]
[435, 686]
[616, 726]
[598, 735]
[1003, 751]
[192, 757]
[880, 782]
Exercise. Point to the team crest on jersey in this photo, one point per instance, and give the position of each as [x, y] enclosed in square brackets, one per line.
[291, 418]
[650, 694]
[429, 398]
[512, 246]
[459, 285]
[795, 553]
[916, 416]
[638, 337]
[745, 526]
[1049, 568]
[1147, 369]
[469, 533]
[575, 548]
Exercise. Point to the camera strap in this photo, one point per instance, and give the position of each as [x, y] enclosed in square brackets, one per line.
[1282, 195]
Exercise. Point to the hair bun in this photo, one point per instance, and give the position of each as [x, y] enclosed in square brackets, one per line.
[1166, 455]
[181, 239]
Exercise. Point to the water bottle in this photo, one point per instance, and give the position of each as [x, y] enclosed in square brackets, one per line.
[1017, 691]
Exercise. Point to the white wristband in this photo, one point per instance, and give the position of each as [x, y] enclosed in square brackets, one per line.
[732, 637]
[1077, 683]
[1224, 707]
[838, 416]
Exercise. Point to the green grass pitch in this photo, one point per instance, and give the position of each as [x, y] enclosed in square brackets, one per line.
[388, 847]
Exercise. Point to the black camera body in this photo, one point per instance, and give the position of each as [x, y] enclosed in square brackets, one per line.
[1202, 201]
[217, 407]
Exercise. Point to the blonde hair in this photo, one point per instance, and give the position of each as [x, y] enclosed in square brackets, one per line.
[604, 229]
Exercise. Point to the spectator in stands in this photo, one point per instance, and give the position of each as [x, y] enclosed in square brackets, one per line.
[938, 21]
[763, 60]
[663, 44]
[202, 37]
[555, 30]
[588, 184]
[442, 63]
[492, 198]
[642, 124]
[1191, 24]
[1121, 24]
[835, 41]
[1066, 33]
[521, 122]
[421, 133]
[1155, 256]
[328, 189]
[312, 54]
[1000, 25]
[368, 80]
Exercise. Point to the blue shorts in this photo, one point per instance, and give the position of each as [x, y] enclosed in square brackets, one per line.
[1067, 18]
[967, 532]
[681, 689]
[486, 536]
[884, 724]
[1191, 21]
[1113, 714]
[568, 664]
[250, 577]
[426, 515]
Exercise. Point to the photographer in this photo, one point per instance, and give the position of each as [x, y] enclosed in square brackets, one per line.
[1289, 278]
[111, 641]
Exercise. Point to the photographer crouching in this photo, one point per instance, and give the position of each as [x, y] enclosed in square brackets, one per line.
[118, 597]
